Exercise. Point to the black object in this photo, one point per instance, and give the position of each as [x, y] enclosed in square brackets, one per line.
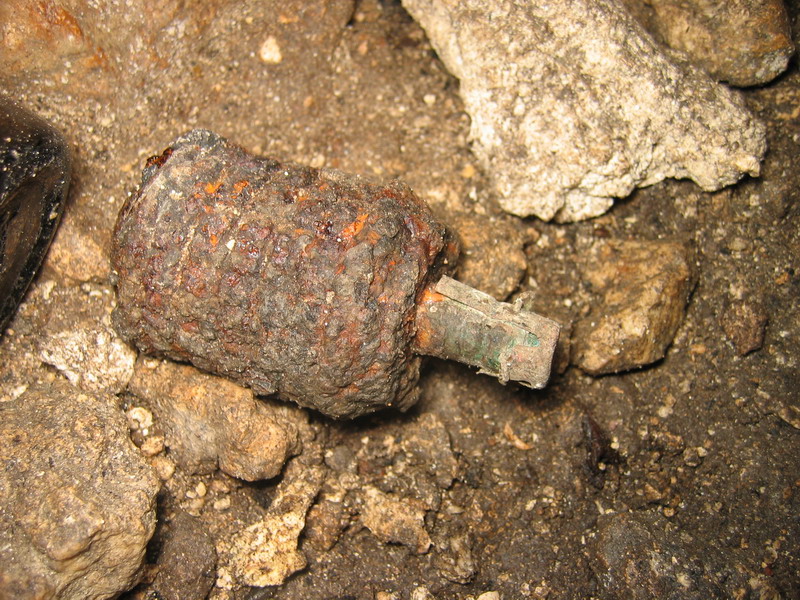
[34, 178]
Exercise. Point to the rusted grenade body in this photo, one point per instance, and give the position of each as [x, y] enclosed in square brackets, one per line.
[293, 281]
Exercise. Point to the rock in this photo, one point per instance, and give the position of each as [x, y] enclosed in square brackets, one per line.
[265, 553]
[744, 323]
[599, 452]
[454, 559]
[427, 445]
[573, 104]
[76, 254]
[212, 421]
[80, 341]
[633, 556]
[395, 520]
[187, 561]
[325, 522]
[790, 414]
[422, 593]
[645, 287]
[77, 499]
[492, 257]
[741, 42]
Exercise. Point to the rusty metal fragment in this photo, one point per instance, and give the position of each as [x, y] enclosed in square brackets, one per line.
[300, 282]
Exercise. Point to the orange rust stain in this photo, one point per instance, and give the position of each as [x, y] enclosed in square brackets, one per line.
[213, 187]
[351, 389]
[214, 240]
[340, 269]
[239, 186]
[429, 296]
[423, 338]
[310, 247]
[354, 228]
[190, 327]
[59, 17]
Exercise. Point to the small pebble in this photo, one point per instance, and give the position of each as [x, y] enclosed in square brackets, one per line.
[152, 445]
[200, 489]
[738, 244]
[270, 51]
[220, 487]
[163, 466]
[139, 418]
[222, 504]
[468, 172]
[195, 506]
[421, 593]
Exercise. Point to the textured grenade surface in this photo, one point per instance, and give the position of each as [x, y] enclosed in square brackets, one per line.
[290, 280]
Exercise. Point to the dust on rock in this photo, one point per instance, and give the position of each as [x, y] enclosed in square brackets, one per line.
[210, 422]
[741, 42]
[80, 341]
[645, 287]
[187, 560]
[68, 529]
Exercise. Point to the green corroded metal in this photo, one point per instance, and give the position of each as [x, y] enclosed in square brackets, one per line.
[464, 324]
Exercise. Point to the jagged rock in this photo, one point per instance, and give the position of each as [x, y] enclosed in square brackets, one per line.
[212, 421]
[634, 556]
[187, 561]
[573, 104]
[265, 553]
[77, 255]
[422, 593]
[80, 342]
[492, 256]
[77, 499]
[741, 42]
[744, 323]
[426, 443]
[645, 287]
[454, 559]
[395, 520]
[325, 523]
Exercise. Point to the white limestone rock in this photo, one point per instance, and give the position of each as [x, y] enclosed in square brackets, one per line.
[573, 104]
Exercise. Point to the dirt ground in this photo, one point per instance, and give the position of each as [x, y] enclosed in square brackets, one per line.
[679, 480]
